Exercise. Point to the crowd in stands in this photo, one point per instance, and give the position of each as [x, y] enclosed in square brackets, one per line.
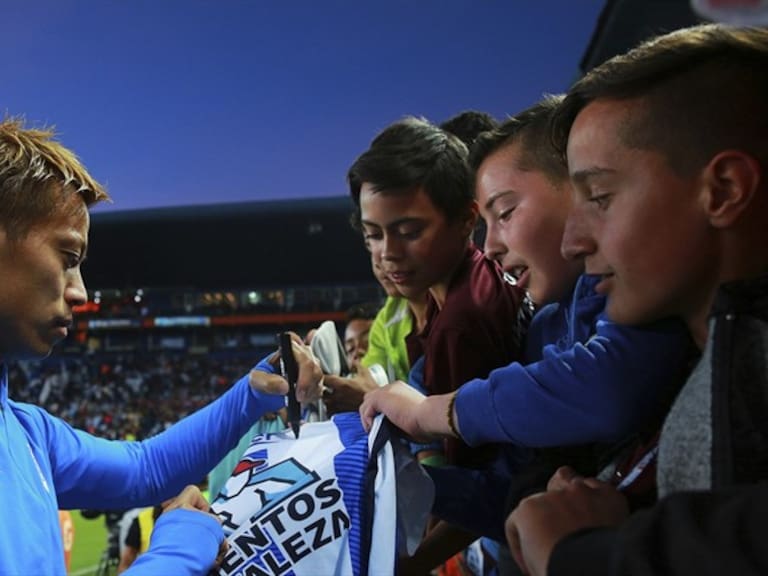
[149, 302]
[125, 397]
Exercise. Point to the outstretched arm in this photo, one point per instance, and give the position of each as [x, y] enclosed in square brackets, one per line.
[143, 473]
[422, 417]
[595, 391]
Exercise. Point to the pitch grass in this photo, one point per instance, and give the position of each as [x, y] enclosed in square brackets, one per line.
[90, 542]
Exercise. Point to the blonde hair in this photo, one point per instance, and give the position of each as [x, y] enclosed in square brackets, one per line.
[36, 172]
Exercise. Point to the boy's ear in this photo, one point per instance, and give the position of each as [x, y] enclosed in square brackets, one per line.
[731, 180]
[470, 218]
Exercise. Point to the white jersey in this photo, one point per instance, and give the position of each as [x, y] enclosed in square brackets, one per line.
[318, 504]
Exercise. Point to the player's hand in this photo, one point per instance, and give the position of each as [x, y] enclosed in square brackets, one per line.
[310, 374]
[192, 499]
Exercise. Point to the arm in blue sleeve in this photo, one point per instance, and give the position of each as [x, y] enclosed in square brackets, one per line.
[595, 391]
[98, 473]
[416, 380]
[474, 499]
[184, 542]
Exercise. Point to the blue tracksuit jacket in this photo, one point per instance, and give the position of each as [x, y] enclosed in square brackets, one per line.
[586, 379]
[45, 464]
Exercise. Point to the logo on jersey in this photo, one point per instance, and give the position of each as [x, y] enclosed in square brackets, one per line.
[274, 516]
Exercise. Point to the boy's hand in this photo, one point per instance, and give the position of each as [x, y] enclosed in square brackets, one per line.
[571, 503]
[400, 403]
[346, 394]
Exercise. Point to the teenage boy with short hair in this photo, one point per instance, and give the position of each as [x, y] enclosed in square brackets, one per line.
[667, 147]
[413, 194]
[400, 315]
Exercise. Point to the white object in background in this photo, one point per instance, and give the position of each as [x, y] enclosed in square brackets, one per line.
[737, 12]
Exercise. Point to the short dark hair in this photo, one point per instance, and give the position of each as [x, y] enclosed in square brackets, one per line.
[531, 128]
[702, 89]
[410, 154]
[468, 125]
[363, 311]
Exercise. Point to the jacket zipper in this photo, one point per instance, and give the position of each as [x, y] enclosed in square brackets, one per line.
[722, 456]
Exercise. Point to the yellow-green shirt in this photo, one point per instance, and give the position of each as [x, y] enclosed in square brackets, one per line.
[386, 339]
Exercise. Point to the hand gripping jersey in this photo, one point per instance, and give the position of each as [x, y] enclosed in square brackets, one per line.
[334, 502]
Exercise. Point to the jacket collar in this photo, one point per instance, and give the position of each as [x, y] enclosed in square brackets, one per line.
[748, 296]
[3, 384]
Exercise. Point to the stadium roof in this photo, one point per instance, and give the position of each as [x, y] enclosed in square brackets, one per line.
[248, 245]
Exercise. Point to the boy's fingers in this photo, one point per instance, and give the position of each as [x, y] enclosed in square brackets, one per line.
[562, 478]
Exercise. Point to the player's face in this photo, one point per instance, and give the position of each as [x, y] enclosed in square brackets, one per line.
[41, 282]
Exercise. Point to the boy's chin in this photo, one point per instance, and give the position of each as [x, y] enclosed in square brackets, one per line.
[628, 314]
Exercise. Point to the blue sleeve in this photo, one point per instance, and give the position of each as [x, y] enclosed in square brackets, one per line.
[416, 380]
[183, 542]
[596, 391]
[475, 498]
[265, 366]
[97, 473]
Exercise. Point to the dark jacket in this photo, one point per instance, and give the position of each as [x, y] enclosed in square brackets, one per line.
[713, 464]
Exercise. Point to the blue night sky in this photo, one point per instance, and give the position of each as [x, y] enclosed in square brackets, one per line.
[175, 102]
